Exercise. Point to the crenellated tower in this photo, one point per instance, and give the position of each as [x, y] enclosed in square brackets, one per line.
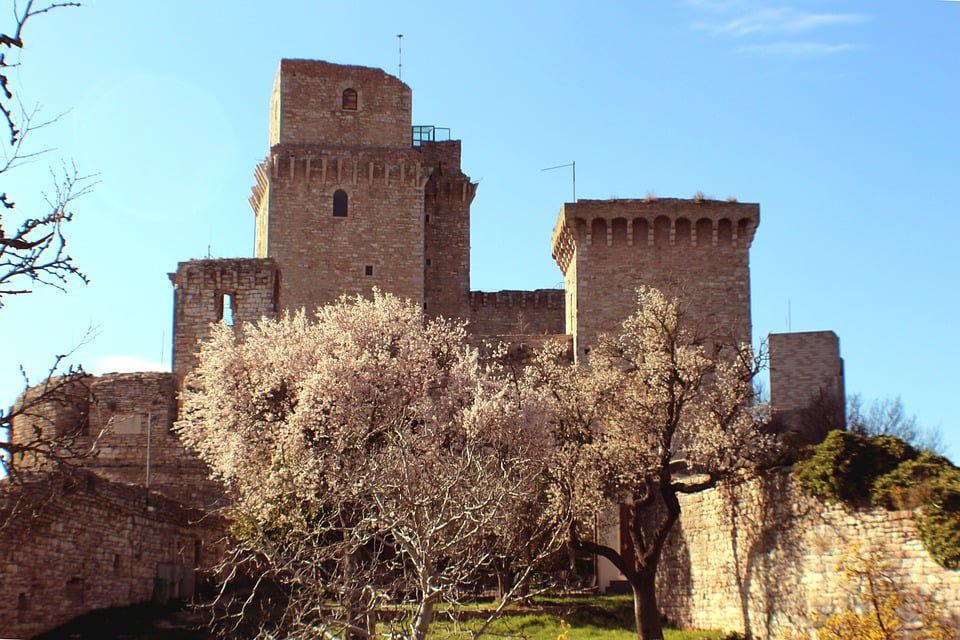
[696, 250]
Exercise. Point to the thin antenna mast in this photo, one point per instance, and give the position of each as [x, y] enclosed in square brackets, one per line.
[399, 56]
[573, 165]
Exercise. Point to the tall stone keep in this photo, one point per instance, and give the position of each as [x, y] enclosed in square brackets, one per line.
[348, 198]
[695, 250]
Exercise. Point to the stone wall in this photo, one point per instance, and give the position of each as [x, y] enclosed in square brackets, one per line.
[517, 312]
[696, 250]
[307, 106]
[208, 291]
[762, 558]
[68, 546]
[126, 420]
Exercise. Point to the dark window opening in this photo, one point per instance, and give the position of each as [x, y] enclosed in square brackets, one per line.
[22, 608]
[426, 218]
[340, 204]
[349, 101]
[74, 590]
[368, 270]
[428, 262]
[116, 562]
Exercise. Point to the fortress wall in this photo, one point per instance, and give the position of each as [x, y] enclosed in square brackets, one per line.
[765, 564]
[517, 312]
[70, 546]
[128, 418]
[207, 291]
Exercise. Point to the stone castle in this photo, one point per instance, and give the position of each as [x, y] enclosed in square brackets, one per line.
[351, 195]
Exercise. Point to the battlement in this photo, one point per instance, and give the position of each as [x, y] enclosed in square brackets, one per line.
[539, 299]
[662, 222]
[517, 312]
[317, 167]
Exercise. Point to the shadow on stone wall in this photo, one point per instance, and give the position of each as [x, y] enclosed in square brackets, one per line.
[766, 549]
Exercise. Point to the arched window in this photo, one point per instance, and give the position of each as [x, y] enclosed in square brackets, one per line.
[349, 99]
[340, 203]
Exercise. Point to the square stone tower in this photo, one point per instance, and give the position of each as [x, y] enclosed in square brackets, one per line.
[347, 200]
[695, 250]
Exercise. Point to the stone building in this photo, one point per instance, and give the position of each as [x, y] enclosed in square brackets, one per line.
[351, 195]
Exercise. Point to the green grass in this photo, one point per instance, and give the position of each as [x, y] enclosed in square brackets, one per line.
[593, 618]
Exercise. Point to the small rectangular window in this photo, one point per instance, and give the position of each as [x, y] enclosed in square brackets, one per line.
[428, 262]
[226, 306]
[368, 270]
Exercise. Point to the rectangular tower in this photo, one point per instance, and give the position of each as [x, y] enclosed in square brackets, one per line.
[694, 250]
[339, 200]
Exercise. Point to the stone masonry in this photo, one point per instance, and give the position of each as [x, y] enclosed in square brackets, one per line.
[806, 384]
[71, 545]
[762, 558]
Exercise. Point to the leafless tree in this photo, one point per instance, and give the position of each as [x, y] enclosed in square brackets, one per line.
[32, 246]
[32, 252]
[888, 417]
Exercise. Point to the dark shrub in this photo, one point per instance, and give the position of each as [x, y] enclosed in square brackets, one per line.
[845, 465]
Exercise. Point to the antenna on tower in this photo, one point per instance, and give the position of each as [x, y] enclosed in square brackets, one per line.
[574, 166]
[399, 56]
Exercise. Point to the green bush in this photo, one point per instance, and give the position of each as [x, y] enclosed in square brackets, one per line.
[939, 520]
[883, 471]
[911, 483]
[845, 466]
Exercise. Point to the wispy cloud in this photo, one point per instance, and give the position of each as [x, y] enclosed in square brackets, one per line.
[771, 29]
[800, 49]
[782, 20]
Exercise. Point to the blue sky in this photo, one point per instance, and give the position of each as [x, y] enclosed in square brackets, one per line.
[840, 118]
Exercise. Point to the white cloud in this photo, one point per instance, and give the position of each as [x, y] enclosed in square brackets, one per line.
[780, 20]
[124, 364]
[801, 49]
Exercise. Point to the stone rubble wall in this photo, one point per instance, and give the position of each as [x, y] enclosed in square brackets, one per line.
[769, 565]
[69, 546]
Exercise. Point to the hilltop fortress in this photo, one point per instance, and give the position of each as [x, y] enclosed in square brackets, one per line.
[351, 195]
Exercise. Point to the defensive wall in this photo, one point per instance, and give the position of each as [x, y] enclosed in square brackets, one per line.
[73, 544]
[127, 419]
[761, 558]
[516, 312]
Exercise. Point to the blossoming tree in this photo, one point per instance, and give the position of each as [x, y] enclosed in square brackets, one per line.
[653, 416]
[369, 457]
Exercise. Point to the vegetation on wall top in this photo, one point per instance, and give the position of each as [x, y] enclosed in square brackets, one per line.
[884, 471]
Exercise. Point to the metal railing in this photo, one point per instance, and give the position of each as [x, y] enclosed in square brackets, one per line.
[429, 133]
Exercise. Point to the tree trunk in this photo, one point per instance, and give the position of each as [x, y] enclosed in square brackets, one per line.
[646, 613]
[422, 618]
